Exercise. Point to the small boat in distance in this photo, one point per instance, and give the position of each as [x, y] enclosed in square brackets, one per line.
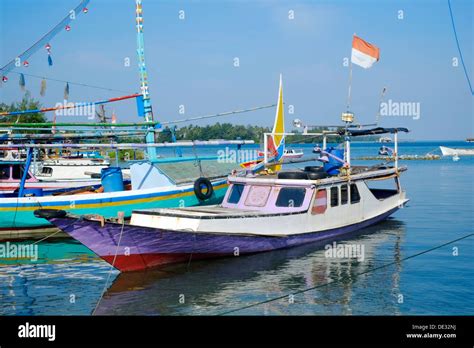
[385, 151]
[292, 153]
[470, 140]
[447, 151]
[385, 140]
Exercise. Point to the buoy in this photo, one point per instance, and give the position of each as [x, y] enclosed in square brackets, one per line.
[67, 28]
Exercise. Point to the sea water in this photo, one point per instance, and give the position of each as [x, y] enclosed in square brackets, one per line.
[407, 266]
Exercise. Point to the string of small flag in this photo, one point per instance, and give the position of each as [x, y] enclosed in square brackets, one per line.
[67, 83]
[22, 59]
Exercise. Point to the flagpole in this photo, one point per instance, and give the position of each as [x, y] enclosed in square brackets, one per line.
[348, 107]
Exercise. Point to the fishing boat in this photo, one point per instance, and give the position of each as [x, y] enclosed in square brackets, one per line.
[11, 172]
[260, 212]
[385, 151]
[70, 169]
[279, 211]
[154, 183]
[448, 151]
[164, 183]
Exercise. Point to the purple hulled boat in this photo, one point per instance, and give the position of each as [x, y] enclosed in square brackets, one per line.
[259, 213]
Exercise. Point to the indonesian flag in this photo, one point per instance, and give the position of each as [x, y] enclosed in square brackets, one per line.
[364, 54]
[114, 119]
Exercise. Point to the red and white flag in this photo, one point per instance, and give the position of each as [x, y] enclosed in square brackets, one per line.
[364, 54]
[114, 119]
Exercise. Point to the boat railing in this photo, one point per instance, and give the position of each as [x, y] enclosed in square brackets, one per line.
[347, 133]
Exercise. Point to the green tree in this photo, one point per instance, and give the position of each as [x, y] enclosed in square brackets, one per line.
[27, 103]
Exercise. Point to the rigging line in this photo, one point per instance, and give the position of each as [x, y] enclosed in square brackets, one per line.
[219, 114]
[71, 83]
[358, 274]
[459, 47]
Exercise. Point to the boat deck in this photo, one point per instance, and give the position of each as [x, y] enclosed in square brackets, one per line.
[210, 212]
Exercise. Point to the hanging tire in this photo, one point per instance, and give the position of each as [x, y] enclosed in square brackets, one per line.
[203, 189]
[314, 169]
[293, 175]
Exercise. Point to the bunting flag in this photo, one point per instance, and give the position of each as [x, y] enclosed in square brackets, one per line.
[364, 54]
[43, 87]
[66, 91]
[22, 82]
[64, 23]
[48, 49]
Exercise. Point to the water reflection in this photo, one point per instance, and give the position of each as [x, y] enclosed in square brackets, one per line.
[65, 280]
[214, 287]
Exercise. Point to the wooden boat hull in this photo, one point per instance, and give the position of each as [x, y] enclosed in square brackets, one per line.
[18, 212]
[144, 247]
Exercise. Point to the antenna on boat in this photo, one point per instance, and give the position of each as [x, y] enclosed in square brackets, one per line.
[382, 95]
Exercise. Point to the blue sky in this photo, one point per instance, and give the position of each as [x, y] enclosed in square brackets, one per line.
[190, 62]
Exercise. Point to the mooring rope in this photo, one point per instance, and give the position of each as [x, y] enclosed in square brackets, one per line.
[111, 269]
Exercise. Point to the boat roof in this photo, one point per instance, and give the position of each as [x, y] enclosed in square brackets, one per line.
[372, 131]
[360, 173]
[188, 171]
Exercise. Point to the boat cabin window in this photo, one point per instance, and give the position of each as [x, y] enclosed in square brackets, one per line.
[47, 171]
[344, 194]
[291, 197]
[258, 196]
[334, 196]
[4, 171]
[355, 197]
[320, 202]
[17, 172]
[235, 194]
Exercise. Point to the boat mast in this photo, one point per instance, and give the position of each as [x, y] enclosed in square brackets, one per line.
[148, 112]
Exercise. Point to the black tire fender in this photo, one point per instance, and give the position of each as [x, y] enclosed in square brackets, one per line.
[200, 185]
[49, 213]
[293, 175]
[314, 169]
[317, 175]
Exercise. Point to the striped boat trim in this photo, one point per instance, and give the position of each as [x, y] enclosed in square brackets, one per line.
[114, 201]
